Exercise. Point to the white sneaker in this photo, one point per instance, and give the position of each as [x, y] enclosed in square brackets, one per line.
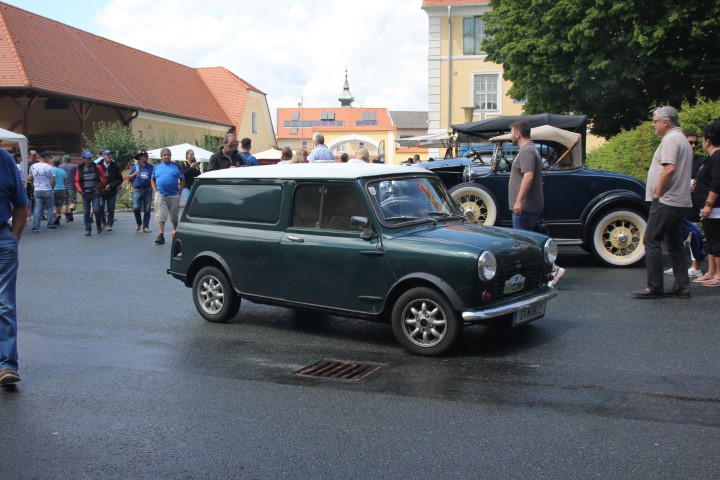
[669, 271]
[557, 273]
[693, 272]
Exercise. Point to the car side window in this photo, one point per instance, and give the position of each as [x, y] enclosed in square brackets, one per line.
[328, 207]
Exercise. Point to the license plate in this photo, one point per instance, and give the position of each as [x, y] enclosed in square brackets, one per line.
[528, 314]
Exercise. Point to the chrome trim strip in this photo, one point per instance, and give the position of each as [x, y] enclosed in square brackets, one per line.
[488, 313]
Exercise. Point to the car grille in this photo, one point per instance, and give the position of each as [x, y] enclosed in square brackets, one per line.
[534, 278]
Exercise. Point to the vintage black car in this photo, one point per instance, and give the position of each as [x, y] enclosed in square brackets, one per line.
[603, 212]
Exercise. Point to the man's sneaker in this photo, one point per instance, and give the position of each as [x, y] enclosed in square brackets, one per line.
[109, 228]
[35, 230]
[57, 219]
[53, 227]
[557, 273]
[70, 217]
[160, 240]
[88, 233]
[8, 376]
[99, 229]
[669, 271]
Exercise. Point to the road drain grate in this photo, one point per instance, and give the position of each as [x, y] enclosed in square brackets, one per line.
[338, 370]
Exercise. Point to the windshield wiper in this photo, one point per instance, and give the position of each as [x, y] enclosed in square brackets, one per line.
[445, 215]
[410, 218]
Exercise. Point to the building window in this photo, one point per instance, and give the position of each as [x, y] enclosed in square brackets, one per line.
[361, 144]
[368, 116]
[485, 91]
[473, 33]
[303, 144]
[327, 116]
[296, 116]
[342, 148]
[254, 122]
[293, 131]
[288, 143]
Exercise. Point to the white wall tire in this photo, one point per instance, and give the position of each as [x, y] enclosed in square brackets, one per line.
[617, 238]
[479, 202]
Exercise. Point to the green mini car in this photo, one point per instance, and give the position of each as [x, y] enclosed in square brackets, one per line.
[375, 242]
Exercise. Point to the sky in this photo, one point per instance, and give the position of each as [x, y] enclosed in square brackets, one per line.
[288, 49]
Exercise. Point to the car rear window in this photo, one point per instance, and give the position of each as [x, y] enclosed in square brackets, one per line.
[250, 203]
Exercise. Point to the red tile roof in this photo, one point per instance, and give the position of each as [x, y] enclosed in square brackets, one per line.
[48, 56]
[452, 3]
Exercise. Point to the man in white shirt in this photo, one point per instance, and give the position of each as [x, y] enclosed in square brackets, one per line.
[42, 177]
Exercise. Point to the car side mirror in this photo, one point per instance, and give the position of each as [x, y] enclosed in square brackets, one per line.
[361, 223]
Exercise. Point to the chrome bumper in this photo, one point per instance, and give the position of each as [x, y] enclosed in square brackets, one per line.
[508, 308]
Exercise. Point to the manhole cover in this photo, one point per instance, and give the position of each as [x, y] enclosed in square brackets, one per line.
[338, 370]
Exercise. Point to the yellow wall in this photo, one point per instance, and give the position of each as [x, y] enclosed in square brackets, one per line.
[265, 136]
[157, 131]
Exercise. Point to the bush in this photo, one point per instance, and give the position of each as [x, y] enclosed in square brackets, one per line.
[117, 138]
[631, 151]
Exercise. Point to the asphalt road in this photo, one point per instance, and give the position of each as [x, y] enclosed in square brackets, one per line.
[123, 379]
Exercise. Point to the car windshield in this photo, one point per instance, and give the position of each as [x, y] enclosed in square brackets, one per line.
[412, 199]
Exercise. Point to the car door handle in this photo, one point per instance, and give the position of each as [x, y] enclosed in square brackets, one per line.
[293, 238]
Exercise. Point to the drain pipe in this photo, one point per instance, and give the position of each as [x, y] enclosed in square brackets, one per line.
[450, 70]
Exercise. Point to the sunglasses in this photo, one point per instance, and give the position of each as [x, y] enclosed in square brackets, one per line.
[694, 143]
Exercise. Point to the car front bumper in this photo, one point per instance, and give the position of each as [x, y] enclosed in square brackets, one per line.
[478, 315]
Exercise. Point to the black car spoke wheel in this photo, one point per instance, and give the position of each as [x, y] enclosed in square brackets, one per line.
[425, 323]
[213, 295]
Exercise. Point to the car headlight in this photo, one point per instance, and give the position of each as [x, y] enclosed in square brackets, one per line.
[550, 251]
[487, 266]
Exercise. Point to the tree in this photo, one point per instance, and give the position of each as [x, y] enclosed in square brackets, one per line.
[117, 138]
[611, 60]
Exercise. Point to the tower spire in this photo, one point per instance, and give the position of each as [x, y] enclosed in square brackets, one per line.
[346, 97]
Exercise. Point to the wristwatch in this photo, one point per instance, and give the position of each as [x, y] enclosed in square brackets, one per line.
[708, 203]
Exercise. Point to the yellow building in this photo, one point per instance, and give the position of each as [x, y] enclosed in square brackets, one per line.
[462, 85]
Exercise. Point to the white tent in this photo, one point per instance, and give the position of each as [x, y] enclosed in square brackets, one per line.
[440, 139]
[178, 153]
[271, 154]
[21, 140]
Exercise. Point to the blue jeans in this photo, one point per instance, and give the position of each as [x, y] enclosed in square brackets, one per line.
[526, 220]
[107, 207]
[141, 201]
[44, 202]
[8, 305]
[91, 199]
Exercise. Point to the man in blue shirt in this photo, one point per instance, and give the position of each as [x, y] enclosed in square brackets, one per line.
[140, 175]
[321, 153]
[245, 145]
[167, 181]
[13, 205]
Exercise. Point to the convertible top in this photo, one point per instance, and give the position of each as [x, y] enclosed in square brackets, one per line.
[493, 127]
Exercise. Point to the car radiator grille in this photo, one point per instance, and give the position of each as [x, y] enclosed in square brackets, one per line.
[534, 278]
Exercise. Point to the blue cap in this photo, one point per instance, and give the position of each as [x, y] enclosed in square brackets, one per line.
[87, 154]
[105, 152]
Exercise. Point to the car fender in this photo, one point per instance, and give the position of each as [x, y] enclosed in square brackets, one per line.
[414, 279]
[203, 259]
[609, 200]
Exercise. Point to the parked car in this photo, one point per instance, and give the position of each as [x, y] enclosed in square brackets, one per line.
[375, 242]
[603, 212]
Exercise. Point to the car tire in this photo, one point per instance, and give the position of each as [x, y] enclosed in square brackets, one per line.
[477, 200]
[213, 295]
[617, 238]
[425, 323]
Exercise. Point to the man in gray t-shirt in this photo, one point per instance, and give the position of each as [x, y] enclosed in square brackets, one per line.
[525, 192]
[668, 188]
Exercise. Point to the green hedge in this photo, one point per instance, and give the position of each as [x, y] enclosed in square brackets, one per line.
[631, 151]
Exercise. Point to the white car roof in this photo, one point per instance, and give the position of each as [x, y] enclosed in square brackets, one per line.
[313, 170]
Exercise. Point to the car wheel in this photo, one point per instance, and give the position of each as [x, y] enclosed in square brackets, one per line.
[425, 323]
[479, 202]
[617, 238]
[213, 295]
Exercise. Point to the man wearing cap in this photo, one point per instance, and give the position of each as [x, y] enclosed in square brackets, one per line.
[59, 193]
[89, 181]
[167, 182]
[70, 170]
[140, 175]
[13, 205]
[42, 177]
[108, 197]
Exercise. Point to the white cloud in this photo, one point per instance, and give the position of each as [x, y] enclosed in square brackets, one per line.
[289, 48]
